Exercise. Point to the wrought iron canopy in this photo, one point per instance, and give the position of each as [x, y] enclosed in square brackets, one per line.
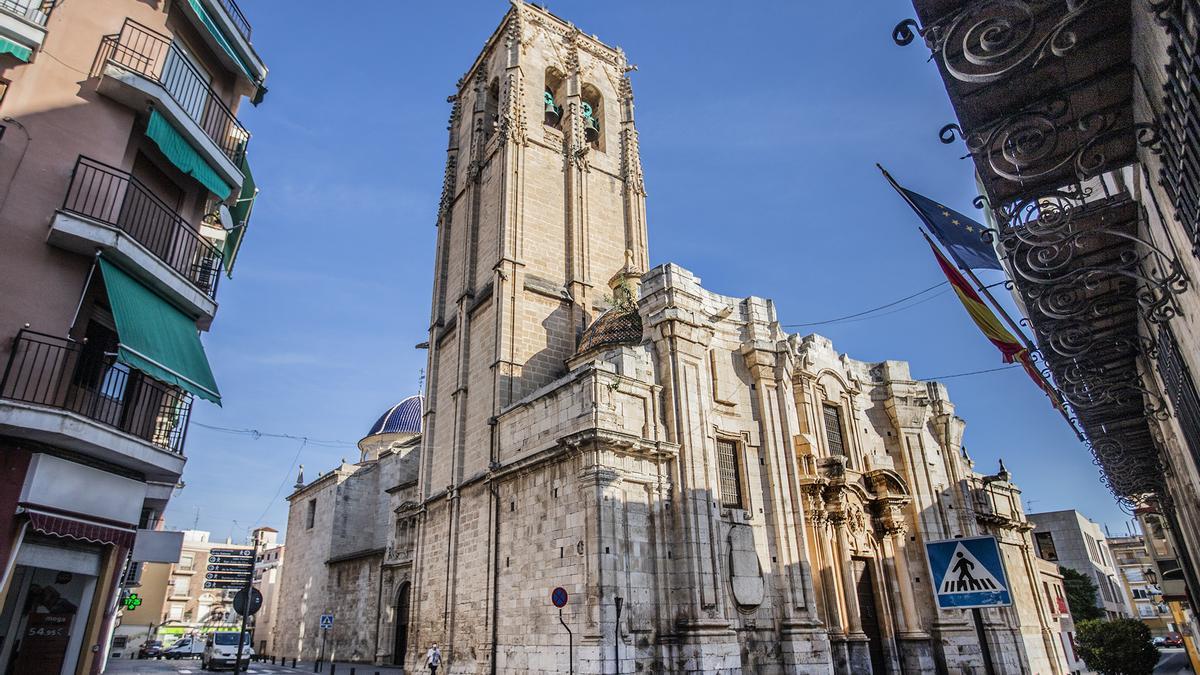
[1043, 92]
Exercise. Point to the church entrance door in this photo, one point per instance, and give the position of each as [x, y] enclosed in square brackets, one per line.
[869, 614]
[401, 645]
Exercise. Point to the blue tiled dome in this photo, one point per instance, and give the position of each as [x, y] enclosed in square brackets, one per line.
[402, 418]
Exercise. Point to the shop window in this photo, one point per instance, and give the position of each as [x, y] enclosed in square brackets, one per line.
[731, 474]
[833, 429]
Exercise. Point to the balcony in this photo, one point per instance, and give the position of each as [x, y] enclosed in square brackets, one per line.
[139, 65]
[79, 397]
[24, 21]
[108, 209]
[236, 17]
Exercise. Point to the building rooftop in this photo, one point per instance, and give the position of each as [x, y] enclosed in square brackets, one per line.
[402, 418]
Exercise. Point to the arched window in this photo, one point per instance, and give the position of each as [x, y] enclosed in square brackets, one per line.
[552, 98]
[593, 116]
[491, 109]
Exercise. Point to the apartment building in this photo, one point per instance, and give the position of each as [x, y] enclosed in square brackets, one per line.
[1054, 593]
[125, 192]
[268, 574]
[1072, 541]
[1139, 583]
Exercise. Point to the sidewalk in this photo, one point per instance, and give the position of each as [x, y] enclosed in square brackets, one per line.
[343, 668]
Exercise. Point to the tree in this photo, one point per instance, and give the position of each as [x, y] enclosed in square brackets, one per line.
[1081, 595]
[1119, 647]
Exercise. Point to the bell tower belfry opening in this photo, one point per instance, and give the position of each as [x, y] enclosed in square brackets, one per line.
[542, 203]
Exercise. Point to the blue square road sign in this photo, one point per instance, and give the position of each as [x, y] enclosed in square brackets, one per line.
[968, 573]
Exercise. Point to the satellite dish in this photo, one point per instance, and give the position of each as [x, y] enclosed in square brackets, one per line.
[226, 217]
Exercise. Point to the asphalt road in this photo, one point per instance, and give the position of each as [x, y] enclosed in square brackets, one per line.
[1172, 662]
[180, 667]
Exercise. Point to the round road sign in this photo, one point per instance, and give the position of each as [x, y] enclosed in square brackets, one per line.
[559, 597]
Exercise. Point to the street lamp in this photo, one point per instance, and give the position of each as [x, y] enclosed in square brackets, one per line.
[1151, 576]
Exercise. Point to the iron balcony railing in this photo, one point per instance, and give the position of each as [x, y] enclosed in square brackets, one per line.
[115, 198]
[37, 11]
[85, 379]
[239, 19]
[155, 57]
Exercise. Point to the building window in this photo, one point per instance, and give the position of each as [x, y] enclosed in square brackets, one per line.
[119, 641]
[175, 613]
[187, 562]
[1045, 546]
[552, 98]
[833, 429]
[312, 513]
[731, 474]
[592, 112]
[1049, 598]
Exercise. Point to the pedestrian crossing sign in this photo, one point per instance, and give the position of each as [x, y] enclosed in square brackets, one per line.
[968, 573]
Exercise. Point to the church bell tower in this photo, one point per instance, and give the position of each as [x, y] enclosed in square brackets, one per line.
[543, 203]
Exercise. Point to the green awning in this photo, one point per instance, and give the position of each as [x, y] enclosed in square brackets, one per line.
[218, 35]
[183, 155]
[20, 51]
[241, 217]
[156, 338]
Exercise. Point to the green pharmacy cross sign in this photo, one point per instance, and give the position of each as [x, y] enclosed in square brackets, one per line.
[133, 602]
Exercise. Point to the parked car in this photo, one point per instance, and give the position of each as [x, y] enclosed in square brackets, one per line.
[150, 649]
[186, 647]
[221, 649]
[1158, 640]
[1172, 640]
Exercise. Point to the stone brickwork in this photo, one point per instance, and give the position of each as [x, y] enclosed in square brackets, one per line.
[677, 475]
[351, 562]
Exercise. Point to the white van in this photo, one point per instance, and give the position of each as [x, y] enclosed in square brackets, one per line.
[220, 651]
[186, 647]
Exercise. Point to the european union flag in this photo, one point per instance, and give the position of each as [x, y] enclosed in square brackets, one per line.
[961, 235]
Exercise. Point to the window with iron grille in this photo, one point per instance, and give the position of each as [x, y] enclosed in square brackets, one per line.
[1181, 389]
[833, 429]
[1179, 121]
[731, 474]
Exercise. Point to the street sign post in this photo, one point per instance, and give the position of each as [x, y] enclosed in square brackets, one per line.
[326, 624]
[230, 568]
[558, 598]
[968, 573]
[255, 599]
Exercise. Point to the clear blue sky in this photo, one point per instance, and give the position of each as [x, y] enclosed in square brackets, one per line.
[760, 127]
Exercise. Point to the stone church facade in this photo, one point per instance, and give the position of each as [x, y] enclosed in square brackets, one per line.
[715, 495]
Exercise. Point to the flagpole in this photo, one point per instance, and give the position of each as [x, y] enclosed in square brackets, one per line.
[1051, 391]
[979, 285]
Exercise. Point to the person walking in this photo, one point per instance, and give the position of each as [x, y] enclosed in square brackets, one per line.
[433, 659]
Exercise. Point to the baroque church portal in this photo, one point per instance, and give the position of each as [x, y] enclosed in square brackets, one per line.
[715, 495]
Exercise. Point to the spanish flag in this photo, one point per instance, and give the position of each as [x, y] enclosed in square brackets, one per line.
[987, 322]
